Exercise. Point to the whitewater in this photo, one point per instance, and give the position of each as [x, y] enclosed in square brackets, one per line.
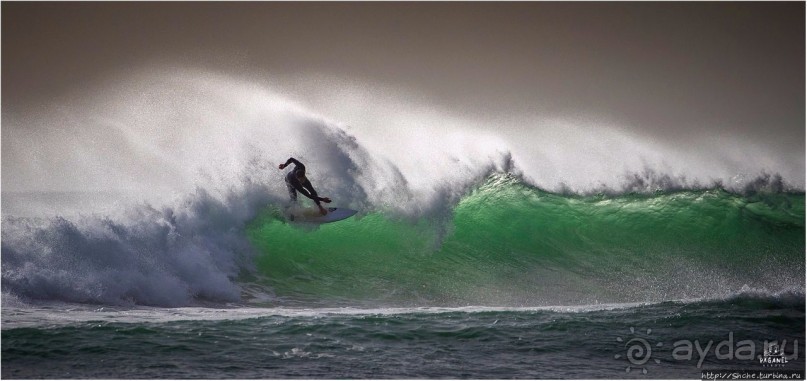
[142, 238]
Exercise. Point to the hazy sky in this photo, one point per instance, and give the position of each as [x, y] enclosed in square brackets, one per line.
[665, 69]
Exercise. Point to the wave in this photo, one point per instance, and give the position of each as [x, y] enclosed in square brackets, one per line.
[450, 216]
[512, 244]
[505, 243]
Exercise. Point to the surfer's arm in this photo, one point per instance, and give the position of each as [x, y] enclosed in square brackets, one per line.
[308, 191]
[312, 194]
[297, 164]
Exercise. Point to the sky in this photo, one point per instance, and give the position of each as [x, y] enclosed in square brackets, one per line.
[664, 70]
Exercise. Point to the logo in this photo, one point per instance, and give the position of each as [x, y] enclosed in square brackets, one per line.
[773, 355]
[638, 351]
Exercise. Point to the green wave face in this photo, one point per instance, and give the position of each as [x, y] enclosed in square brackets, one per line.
[509, 244]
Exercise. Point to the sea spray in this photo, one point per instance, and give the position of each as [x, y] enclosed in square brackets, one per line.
[470, 217]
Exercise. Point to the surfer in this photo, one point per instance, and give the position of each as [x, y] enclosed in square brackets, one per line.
[297, 182]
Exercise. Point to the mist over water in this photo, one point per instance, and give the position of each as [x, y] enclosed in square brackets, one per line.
[148, 192]
[169, 130]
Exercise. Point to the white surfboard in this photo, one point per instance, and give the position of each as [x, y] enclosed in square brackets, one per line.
[313, 215]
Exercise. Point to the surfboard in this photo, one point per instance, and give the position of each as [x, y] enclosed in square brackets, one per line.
[312, 215]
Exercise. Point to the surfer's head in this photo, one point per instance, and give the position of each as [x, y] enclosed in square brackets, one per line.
[300, 174]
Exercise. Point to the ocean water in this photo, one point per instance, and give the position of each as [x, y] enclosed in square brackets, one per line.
[471, 342]
[520, 283]
[141, 238]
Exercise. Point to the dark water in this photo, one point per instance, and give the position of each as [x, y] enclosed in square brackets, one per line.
[583, 342]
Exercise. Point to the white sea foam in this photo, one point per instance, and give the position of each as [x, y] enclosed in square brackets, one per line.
[18, 315]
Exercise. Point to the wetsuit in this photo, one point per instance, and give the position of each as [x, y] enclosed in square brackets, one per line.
[295, 185]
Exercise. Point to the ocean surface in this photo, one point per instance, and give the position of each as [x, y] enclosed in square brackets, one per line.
[509, 281]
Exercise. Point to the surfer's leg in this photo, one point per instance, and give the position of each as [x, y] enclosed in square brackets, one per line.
[292, 193]
[291, 206]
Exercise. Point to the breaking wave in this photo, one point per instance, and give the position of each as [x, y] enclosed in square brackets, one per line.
[451, 216]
